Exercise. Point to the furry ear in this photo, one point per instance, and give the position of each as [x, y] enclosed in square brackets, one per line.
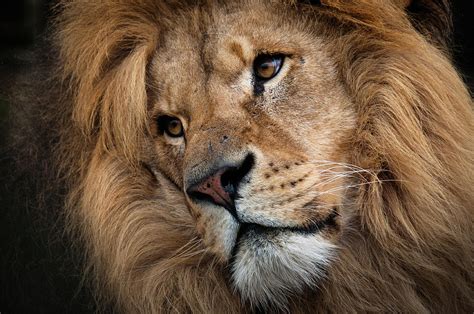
[432, 18]
[106, 60]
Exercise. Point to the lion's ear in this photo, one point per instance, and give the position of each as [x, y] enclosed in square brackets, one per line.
[106, 59]
[432, 18]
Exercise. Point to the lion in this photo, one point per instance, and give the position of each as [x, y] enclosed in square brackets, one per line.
[284, 156]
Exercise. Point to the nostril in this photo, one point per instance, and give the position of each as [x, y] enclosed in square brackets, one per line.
[232, 177]
[228, 182]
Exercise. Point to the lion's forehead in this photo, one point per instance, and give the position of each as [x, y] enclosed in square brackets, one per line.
[218, 52]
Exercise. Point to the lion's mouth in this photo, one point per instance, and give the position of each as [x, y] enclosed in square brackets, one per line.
[256, 230]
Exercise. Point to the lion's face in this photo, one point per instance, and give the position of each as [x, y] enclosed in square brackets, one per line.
[224, 156]
[251, 121]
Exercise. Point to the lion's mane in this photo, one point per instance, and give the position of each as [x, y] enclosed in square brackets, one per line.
[408, 249]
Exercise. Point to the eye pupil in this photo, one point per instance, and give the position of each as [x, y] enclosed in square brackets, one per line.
[171, 126]
[267, 66]
[175, 127]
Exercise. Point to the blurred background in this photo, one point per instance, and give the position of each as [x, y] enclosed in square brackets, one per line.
[21, 22]
[35, 275]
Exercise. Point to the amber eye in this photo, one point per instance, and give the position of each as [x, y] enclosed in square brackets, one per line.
[172, 126]
[267, 67]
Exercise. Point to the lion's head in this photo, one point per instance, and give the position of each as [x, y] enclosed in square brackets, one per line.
[226, 156]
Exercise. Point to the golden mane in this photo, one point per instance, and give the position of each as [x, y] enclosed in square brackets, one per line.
[409, 250]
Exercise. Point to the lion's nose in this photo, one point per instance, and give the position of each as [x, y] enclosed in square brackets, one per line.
[218, 188]
[221, 187]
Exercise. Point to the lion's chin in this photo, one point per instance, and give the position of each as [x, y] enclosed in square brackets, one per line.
[271, 264]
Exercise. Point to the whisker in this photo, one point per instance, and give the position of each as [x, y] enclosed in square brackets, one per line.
[193, 242]
[356, 185]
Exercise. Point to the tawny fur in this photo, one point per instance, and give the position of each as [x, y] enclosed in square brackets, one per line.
[408, 246]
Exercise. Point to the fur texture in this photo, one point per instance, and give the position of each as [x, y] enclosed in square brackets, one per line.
[368, 121]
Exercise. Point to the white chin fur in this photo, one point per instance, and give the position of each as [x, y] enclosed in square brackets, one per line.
[267, 270]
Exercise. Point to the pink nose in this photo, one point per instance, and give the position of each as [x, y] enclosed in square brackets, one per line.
[220, 191]
[219, 187]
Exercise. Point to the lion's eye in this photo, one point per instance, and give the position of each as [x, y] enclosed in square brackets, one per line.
[172, 126]
[267, 67]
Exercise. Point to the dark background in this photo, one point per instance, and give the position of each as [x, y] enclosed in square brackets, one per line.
[36, 273]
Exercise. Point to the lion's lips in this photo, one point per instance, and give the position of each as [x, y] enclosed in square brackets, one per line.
[311, 228]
